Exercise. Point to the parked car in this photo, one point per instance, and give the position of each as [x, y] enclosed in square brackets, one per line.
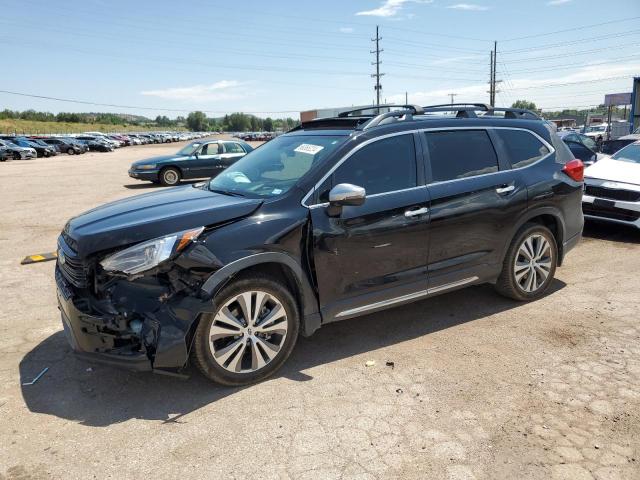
[65, 145]
[196, 160]
[612, 188]
[95, 145]
[583, 147]
[101, 139]
[336, 219]
[53, 150]
[18, 152]
[41, 151]
[5, 154]
[597, 132]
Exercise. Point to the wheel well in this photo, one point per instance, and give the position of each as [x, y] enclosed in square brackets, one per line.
[552, 224]
[278, 272]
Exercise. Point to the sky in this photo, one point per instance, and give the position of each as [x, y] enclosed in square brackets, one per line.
[280, 57]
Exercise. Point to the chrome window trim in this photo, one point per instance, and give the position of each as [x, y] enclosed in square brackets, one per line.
[403, 298]
[425, 130]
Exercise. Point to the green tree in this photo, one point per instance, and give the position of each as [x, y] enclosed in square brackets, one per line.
[267, 124]
[524, 104]
[197, 122]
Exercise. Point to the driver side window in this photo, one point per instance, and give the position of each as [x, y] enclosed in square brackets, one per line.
[383, 166]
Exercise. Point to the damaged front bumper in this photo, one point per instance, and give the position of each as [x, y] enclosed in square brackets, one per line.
[139, 339]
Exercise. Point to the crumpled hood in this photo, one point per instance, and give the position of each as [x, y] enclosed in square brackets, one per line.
[152, 215]
[615, 171]
[158, 159]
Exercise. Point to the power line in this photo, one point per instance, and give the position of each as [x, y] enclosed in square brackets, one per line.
[573, 65]
[564, 55]
[571, 42]
[83, 102]
[595, 80]
[536, 35]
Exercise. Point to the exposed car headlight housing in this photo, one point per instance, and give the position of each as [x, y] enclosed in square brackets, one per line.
[149, 254]
[146, 167]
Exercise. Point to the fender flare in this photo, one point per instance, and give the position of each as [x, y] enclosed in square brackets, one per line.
[310, 315]
[536, 212]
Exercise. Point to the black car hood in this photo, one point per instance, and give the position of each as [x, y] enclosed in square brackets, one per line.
[152, 215]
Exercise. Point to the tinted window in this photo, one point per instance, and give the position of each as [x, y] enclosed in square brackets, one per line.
[231, 147]
[460, 154]
[382, 166]
[522, 147]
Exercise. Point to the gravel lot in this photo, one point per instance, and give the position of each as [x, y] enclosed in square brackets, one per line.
[481, 387]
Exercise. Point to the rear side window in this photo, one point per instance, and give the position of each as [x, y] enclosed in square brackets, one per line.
[522, 147]
[383, 166]
[460, 154]
[233, 147]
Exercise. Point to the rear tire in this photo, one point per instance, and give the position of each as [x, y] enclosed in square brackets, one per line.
[169, 176]
[16, 156]
[230, 351]
[530, 264]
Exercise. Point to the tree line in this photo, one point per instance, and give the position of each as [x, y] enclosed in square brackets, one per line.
[238, 122]
[195, 121]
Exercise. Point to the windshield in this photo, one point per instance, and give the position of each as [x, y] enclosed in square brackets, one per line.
[189, 149]
[630, 153]
[600, 128]
[276, 166]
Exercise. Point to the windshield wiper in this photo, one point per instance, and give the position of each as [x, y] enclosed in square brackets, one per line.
[227, 192]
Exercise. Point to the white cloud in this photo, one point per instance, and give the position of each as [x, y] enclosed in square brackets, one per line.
[222, 90]
[389, 8]
[470, 7]
[555, 3]
[346, 30]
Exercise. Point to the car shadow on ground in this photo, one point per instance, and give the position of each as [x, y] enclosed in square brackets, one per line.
[96, 395]
[614, 232]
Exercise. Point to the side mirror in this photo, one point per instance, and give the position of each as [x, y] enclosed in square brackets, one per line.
[346, 194]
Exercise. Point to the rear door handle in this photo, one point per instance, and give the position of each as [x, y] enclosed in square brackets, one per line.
[416, 212]
[505, 189]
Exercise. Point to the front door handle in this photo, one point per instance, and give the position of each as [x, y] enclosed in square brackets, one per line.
[506, 189]
[416, 212]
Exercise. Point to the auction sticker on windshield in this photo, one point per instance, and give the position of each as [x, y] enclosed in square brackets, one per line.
[308, 148]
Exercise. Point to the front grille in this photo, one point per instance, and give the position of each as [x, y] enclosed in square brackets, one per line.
[613, 194]
[75, 271]
[610, 212]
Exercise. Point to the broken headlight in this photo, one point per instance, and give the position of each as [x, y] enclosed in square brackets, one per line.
[149, 254]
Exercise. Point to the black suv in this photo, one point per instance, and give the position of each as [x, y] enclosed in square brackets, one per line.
[338, 218]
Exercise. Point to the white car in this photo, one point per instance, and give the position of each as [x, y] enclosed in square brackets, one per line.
[612, 187]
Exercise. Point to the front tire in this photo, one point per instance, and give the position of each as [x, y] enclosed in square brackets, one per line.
[530, 264]
[251, 334]
[169, 176]
[70, 151]
[17, 156]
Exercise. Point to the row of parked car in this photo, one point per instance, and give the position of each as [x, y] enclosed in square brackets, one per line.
[23, 147]
[256, 136]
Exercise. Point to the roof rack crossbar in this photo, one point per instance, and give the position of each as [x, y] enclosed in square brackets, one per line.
[408, 114]
[417, 109]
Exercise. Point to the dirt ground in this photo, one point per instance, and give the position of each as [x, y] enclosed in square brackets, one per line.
[480, 388]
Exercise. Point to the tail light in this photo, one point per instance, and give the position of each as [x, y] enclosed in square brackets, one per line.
[574, 169]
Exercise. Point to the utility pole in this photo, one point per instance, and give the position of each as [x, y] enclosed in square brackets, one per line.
[452, 95]
[377, 75]
[406, 101]
[491, 78]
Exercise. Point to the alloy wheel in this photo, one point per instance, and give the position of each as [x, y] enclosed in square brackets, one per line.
[248, 331]
[533, 263]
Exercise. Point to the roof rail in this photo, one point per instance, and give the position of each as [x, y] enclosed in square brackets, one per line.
[468, 110]
[408, 111]
[415, 108]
